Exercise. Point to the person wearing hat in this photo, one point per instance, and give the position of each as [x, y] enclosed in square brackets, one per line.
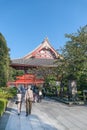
[28, 100]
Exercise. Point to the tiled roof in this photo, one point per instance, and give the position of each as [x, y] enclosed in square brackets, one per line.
[34, 62]
[37, 58]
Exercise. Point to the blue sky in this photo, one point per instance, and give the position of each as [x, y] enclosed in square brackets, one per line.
[26, 23]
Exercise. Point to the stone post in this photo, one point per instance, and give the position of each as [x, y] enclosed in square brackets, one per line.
[73, 89]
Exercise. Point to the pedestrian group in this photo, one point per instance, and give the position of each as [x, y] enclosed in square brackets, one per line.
[29, 96]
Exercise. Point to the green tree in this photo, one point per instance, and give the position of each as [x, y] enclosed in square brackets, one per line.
[75, 55]
[4, 61]
[13, 73]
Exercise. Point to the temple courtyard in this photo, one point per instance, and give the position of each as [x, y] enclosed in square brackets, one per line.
[47, 115]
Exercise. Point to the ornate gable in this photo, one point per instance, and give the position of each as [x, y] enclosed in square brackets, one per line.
[44, 55]
[43, 51]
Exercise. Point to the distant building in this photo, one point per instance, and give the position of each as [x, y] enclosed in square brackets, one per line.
[43, 56]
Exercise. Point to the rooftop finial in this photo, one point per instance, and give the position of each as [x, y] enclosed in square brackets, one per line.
[46, 39]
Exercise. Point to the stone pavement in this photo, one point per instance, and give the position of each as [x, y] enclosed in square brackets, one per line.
[11, 120]
[47, 115]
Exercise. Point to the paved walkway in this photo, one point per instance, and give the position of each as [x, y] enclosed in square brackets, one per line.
[47, 115]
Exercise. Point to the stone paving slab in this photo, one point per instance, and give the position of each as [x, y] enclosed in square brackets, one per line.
[47, 115]
[32, 122]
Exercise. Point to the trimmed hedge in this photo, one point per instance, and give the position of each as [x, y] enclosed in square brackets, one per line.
[3, 105]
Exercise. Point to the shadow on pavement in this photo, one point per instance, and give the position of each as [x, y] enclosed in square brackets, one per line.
[36, 121]
[4, 118]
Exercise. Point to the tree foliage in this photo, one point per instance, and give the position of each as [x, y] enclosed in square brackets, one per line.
[4, 61]
[14, 73]
[75, 56]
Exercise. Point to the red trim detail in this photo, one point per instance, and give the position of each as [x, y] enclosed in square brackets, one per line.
[26, 79]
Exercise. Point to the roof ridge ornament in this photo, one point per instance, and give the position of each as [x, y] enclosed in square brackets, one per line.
[46, 39]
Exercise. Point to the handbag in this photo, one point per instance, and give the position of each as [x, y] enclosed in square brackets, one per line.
[16, 102]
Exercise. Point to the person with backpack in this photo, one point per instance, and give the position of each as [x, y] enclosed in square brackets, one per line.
[28, 100]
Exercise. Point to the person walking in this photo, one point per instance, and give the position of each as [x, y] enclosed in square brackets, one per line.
[40, 96]
[28, 100]
[19, 101]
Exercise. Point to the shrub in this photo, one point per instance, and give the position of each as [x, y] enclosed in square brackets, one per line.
[3, 104]
[7, 92]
